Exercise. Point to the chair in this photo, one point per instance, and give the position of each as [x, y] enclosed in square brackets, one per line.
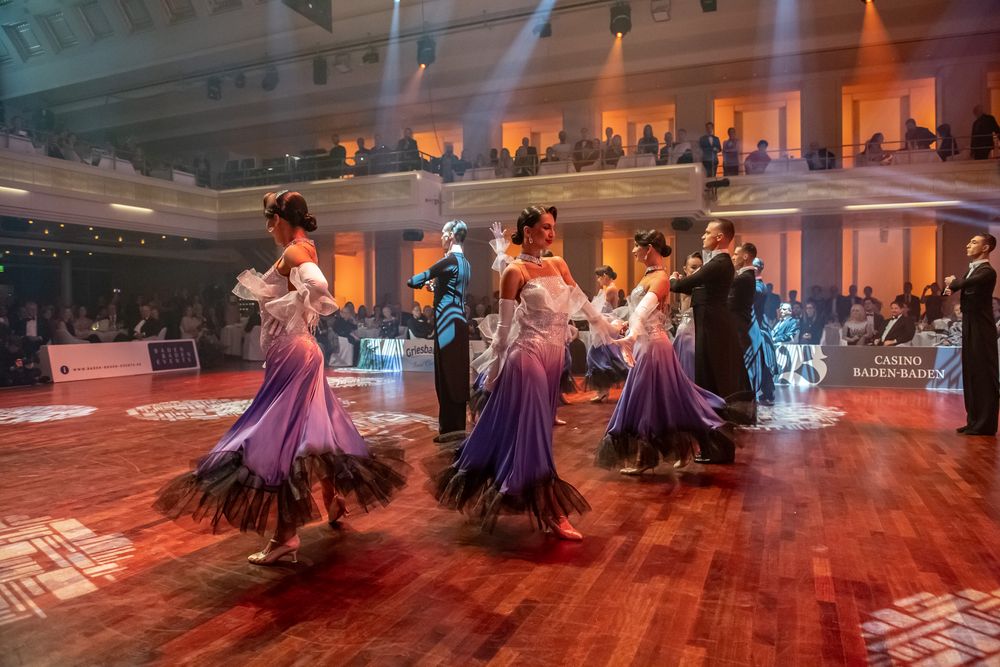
[345, 355]
[162, 335]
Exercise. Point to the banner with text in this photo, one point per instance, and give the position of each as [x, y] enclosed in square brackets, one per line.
[863, 366]
[395, 354]
[66, 363]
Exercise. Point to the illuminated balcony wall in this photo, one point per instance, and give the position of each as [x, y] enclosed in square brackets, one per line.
[543, 132]
[629, 122]
[884, 107]
[775, 117]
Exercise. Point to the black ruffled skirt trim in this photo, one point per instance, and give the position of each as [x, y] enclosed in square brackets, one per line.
[603, 380]
[478, 495]
[618, 449]
[229, 494]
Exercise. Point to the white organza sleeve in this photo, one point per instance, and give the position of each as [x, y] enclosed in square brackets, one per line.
[502, 259]
[637, 320]
[492, 359]
[250, 286]
[307, 302]
[601, 331]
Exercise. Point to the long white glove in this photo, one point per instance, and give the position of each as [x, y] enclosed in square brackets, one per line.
[501, 339]
[602, 332]
[499, 245]
[637, 325]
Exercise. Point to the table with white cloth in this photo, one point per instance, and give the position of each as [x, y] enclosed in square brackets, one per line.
[927, 339]
[231, 338]
[103, 336]
[557, 167]
[251, 345]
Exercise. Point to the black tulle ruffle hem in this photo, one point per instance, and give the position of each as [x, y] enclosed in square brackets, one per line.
[603, 380]
[618, 449]
[477, 494]
[228, 494]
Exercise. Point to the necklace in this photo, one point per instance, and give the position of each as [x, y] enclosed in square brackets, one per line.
[653, 269]
[530, 258]
[300, 239]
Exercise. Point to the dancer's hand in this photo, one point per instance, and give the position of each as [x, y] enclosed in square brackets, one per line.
[627, 345]
[497, 229]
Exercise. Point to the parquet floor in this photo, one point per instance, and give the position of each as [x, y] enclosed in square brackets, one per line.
[856, 528]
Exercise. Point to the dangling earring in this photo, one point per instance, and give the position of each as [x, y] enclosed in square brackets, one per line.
[528, 239]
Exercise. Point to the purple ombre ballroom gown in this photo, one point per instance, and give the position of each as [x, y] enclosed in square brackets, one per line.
[662, 413]
[506, 464]
[294, 431]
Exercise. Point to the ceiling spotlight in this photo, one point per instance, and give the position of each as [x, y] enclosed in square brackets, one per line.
[240, 80]
[370, 57]
[660, 9]
[426, 51]
[621, 19]
[342, 62]
[213, 87]
[543, 29]
[709, 5]
[270, 80]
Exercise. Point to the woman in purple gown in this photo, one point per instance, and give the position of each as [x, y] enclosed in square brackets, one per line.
[684, 338]
[262, 471]
[662, 413]
[606, 368]
[506, 463]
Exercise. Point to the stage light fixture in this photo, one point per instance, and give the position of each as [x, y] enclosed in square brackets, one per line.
[543, 29]
[342, 62]
[213, 87]
[370, 57]
[709, 5]
[319, 71]
[621, 19]
[426, 51]
[240, 80]
[270, 80]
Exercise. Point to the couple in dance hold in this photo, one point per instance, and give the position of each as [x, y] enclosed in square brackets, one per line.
[296, 433]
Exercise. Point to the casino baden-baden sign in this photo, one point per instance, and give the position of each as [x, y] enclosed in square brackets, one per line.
[863, 366]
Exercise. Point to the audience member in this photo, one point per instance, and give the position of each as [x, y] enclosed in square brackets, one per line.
[407, 153]
[844, 304]
[811, 326]
[362, 159]
[682, 152]
[338, 157]
[918, 138]
[873, 316]
[505, 165]
[190, 324]
[710, 149]
[563, 151]
[756, 162]
[984, 133]
[898, 329]
[526, 159]
[787, 328]
[586, 151]
[911, 301]
[648, 145]
[665, 152]
[614, 153]
[820, 159]
[933, 303]
[947, 144]
[731, 154]
[857, 328]
[873, 153]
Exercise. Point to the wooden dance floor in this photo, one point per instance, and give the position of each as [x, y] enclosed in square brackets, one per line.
[856, 527]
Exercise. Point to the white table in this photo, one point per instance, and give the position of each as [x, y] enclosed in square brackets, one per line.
[103, 336]
[482, 174]
[231, 338]
[560, 167]
[636, 161]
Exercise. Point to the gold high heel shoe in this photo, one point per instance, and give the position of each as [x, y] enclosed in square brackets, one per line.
[272, 554]
[636, 471]
[564, 530]
[600, 398]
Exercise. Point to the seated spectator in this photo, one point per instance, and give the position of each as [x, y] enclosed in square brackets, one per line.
[874, 154]
[563, 150]
[388, 326]
[947, 144]
[985, 131]
[917, 138]
[18, 127]
[53, 146]
[82, 323]
[910, 300]
[868, 294]
[363, 315]
[820, 159]
[505, 165]
[899, 329]
[550, 155]
[190, 324]
[856, 329]
[787, 328]
[418, 324]
[648, 144]
[756, 162]
[481, 161]
[62, 335]
[681, 152]
[525, 159]
[614, 153]
[811, 325]
[666, 150]
[873, 316]
[149, 326]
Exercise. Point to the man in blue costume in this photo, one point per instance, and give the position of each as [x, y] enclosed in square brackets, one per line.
[761, 360]
[448, 278]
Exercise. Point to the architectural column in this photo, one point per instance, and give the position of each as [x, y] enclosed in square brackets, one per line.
[822, 113]
[66, 279]
[694, 109]
[389, 250]
[580, 114]
[582, 251]
[325, 258]
[822, 253]
[477, 250]
[959, 89]
[480, 133]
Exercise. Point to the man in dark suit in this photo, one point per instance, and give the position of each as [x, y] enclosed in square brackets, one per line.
[762, 369]
[898, 329]
[910, 300]
[710, 149]
[875, 320]
[740, 303]
[718, 357]
[407, 153]
[984, 128]
[980, 370]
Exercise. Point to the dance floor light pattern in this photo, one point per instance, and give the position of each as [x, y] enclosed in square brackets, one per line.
[206, 408]
[347, 381]
[925, 629]
[44, 561]
[36, 414]
[795, 417]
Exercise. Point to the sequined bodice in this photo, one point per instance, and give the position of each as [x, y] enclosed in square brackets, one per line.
[543, 314]
[656, 322]
[279, 285]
